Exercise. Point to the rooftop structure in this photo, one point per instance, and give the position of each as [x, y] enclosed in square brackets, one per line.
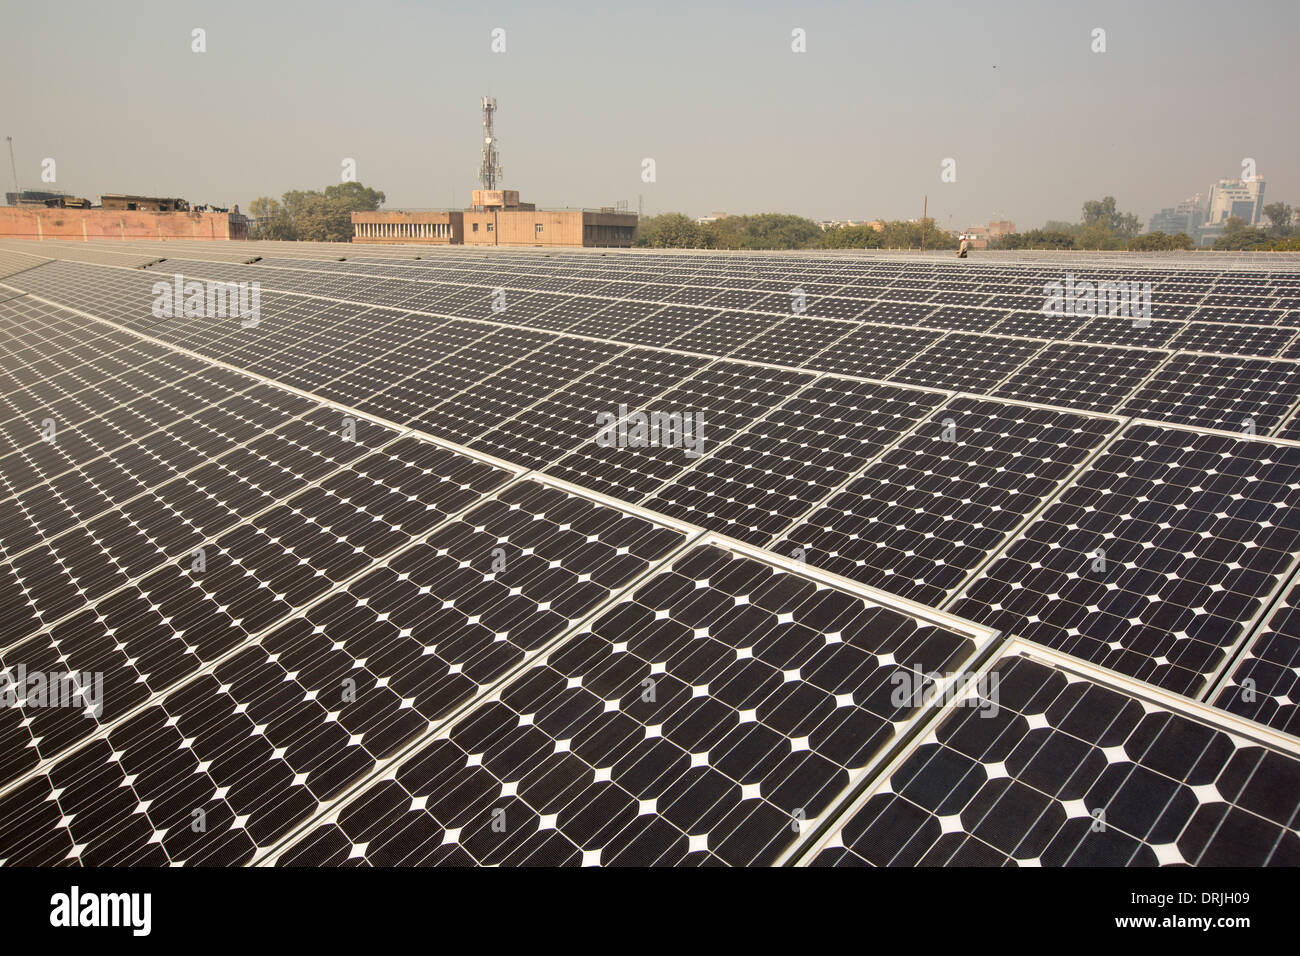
[496, 216]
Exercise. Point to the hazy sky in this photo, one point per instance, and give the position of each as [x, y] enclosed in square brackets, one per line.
[855, 127]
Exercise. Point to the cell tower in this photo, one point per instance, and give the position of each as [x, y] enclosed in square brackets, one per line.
[489, 174]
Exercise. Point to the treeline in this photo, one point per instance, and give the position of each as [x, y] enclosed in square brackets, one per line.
[772, 230]
[1281, 235]
[312, 215]
[1104, 227]
[1101, 226]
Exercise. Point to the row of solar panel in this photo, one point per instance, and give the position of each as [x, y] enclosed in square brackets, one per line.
[1220, 283]
[746, 834]
[924, 306]
[741, 271]
[796, 462]
[1232, 393]
[1001, 313]
[341, 643]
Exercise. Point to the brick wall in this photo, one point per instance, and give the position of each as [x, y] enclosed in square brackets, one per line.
[28, 222]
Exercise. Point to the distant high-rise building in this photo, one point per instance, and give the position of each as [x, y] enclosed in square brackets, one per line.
[1228, 198]
[1186, 217]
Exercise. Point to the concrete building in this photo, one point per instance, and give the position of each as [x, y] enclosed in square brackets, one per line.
[980, 236]
[1228, 198]
[398, 226]
[40, 222]
[497, 218]
[1186, 217]
[498, 200]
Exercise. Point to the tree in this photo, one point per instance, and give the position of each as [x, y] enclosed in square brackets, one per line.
[768, 230]
[1238, 236]
[1099, 235]
[1160, 242]
[1280, 215]
[320, 216]
[672, 230]
[1037, 239]
[851, 237]
[895, 234]
[270, 219]
[1100, 211]
[1235, 224]
[1103, 223]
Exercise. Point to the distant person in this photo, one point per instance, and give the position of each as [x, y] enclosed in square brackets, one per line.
[961, 251]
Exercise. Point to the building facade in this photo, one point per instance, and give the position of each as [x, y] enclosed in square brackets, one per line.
[399, 226]
[1228, 198]
[979, 237]
[497, 218]
[33, 222]
[1186, 217]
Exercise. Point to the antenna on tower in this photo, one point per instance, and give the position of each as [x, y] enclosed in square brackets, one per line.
[18, 193]
[489, 173]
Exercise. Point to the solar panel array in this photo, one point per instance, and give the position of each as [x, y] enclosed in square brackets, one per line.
[643, 559]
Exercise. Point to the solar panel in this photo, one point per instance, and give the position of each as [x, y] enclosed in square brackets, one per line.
[1233, 338]
[1233, 394]
[1046, 764]
[1036, 325]
[722, 333]
[1155, 561]
[1082, 376]
[710, 717]
[1135, 333]
[1264, 684]
[963, 320]
[571, 416]
[965, 362]
[919, 519]
[793, 341]
[727, 396]
[873, 351]
[768, 476]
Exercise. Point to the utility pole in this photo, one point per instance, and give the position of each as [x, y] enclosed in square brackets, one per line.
[18, 193]
[925, 209]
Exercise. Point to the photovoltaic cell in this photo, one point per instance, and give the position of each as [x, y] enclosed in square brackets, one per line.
[873, 351]
[725, 397]
[573, 415]
[488, 403]
[1232, 338]
[1150, 334]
